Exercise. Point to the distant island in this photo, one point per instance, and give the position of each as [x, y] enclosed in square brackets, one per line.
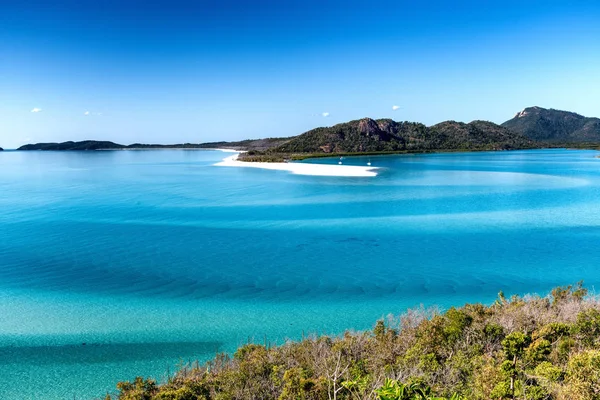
[368, 136]
[534, 127]
[257, 144]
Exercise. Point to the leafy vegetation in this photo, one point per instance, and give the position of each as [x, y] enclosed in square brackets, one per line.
[393, 390]
[479, 135]
[367, 136]
[555, 126]
[529, 347]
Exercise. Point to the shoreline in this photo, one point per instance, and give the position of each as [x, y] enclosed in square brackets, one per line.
[300, 168]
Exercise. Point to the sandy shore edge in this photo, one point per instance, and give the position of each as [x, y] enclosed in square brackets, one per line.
[300, 168]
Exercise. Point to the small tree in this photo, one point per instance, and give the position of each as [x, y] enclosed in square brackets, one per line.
[514, 346]
[393, 390]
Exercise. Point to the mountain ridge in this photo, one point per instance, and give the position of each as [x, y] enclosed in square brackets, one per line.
[367, 135]
[533, 127]
[364, 135]
[555, 126]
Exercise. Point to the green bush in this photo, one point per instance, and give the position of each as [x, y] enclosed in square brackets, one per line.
[504, 351]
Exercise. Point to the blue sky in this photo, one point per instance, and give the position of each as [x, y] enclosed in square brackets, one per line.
[197, 71]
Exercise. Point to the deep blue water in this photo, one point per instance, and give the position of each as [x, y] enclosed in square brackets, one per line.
[155, 257]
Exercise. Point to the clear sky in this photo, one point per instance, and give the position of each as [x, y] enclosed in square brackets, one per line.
[196, 71]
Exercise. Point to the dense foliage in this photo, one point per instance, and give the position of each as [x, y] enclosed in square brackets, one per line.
[388, 136]
[478, 135]
[555, 126]
[519, 348]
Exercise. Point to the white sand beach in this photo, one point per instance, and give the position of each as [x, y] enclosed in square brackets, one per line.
[302, 168]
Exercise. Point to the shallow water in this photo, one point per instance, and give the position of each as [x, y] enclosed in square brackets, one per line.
[122, 263]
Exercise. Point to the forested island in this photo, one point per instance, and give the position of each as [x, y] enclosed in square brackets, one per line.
[384, 136]
[254, 144]
[534, 127]
[528, 347]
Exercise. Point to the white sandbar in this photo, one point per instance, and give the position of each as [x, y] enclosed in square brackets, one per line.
[303, 168]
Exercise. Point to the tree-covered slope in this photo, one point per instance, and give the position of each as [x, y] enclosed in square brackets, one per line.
[477, 135]
[365, 135]
[368, 135]
[529, 348]
[555, 126]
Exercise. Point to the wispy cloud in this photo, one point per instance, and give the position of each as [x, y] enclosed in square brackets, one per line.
[86, 113]
[36, 110]
[325, 114]
[394, 108]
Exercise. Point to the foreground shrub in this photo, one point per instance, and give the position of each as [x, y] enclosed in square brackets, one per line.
[526, 348]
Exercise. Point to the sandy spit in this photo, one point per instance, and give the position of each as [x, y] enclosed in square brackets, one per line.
[302, 168]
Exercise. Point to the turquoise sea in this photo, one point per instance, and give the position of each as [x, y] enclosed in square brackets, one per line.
[122, 263]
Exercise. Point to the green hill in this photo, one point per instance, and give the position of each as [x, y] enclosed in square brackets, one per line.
[555, 126]
[385, 135]
[365, 135]
[477, 135]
